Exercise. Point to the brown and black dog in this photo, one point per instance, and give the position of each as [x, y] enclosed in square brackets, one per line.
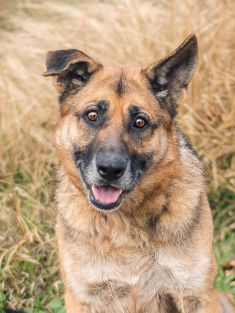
[134, 226]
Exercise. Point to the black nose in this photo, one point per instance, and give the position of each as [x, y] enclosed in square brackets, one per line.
[111, 166]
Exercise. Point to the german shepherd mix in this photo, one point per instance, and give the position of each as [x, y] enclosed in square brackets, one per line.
[134, 226]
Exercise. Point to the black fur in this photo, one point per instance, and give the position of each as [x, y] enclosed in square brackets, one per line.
[72, 81]
[140, 163]
[77, 155]
[58, 60]
[167, 103]
[101, 108]
[186, 236]
[171, 75]
[134, 110]
[73, 69]
[138, 133]
[166, 304]
[186, 143]
[153, 219]
[120, 86]
[189, 145]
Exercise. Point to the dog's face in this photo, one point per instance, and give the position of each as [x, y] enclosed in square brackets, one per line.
[116, 122]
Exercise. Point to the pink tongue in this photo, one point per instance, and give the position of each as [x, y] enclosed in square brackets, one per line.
[106, 194]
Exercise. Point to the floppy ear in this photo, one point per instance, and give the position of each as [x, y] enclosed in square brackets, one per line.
[72, 69]
[172, 74]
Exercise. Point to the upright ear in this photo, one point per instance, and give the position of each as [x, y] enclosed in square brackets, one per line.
[72, 69]
[172, 74]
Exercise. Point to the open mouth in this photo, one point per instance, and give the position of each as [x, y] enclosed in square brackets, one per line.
[106, 197]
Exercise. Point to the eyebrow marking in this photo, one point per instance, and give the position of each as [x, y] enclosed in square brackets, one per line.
[99, 105]
[134, 110]
[102, 105]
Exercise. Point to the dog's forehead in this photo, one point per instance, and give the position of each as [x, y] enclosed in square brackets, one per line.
[121, 79]
[122, 85]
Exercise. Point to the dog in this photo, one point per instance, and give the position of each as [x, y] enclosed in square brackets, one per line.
[134, 226]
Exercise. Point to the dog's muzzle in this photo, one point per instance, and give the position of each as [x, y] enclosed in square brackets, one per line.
[110, 167]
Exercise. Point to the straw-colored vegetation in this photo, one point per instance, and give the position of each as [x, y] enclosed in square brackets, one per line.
[125, 31]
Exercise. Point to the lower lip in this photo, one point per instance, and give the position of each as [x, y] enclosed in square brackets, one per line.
[105, 198]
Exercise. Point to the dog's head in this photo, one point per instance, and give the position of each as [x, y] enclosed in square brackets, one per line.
[116, 122]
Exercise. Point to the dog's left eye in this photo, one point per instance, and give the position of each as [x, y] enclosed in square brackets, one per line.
[140, 122]
[92, 116]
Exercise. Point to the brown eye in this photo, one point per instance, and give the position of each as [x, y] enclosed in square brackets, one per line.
[92, 116]
[140, 123]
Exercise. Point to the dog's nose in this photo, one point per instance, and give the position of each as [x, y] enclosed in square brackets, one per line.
[111, 166]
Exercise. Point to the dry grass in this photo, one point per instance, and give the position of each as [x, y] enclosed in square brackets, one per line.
[125, 31]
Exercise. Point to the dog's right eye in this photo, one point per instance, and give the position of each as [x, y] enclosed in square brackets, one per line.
[140, 123]
[92, 116]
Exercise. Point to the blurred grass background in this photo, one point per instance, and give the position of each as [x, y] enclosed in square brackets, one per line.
[125, 31]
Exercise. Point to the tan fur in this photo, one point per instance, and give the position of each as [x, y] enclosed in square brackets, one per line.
[154, 254]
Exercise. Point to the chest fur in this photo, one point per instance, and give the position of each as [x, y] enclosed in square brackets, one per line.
[114, 261]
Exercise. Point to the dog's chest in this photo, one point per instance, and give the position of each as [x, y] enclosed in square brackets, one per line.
[119, 263]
